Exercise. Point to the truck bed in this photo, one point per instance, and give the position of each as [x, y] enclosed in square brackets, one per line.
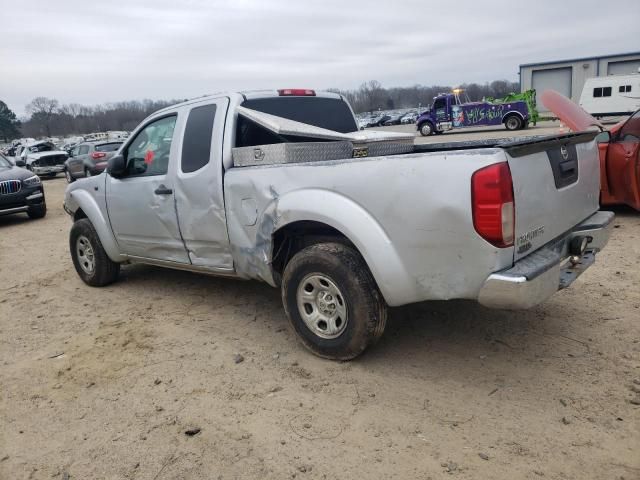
[419, 204]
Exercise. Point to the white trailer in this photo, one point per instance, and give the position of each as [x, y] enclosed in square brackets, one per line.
[611, 96]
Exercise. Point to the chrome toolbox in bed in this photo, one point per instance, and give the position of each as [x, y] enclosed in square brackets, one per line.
[330, 145]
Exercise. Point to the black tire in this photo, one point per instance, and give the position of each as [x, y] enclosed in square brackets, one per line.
[426, 129]
[37, 211]
[366, 310]
[70, 178]
[104, 271]
[87, 173]
[513, 122]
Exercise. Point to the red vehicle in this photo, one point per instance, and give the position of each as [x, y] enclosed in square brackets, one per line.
[619, 150]
[620, 164]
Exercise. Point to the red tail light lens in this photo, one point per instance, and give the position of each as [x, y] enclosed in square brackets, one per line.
[492, 203]
[296, 92]
[97, 155]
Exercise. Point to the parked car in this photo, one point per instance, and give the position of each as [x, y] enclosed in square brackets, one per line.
[409, 118]
[10, 151]
[379, 120]
[20, 191]
[89, 158]
[619, 151]
[42, 159]
[393, 120]
[346, 238]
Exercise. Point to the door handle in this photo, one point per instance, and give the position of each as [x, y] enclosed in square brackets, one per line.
[162, 190]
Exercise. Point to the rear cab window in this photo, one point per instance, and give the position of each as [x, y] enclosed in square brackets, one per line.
[324, 112]
[330, 113]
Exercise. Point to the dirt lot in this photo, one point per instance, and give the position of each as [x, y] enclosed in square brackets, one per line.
[104, 383]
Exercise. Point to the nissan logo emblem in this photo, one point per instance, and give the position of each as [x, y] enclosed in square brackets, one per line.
[564, 152]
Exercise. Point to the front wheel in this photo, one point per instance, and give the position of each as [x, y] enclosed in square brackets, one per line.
[513, 122]
[92, 263]
[37, 211]
[332, 301]
[426, 129]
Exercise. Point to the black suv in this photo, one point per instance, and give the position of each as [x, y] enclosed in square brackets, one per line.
[20, 191]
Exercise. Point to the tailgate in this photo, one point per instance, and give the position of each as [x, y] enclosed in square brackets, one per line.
[556, 185]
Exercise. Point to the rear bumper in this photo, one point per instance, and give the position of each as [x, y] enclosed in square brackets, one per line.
[539, 275]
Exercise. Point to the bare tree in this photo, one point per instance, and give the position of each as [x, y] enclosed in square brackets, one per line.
[42, 109]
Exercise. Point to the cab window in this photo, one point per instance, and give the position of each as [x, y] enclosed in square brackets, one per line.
[148, 153]
[196, 145]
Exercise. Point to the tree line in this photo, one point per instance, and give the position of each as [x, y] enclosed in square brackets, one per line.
[47, 117]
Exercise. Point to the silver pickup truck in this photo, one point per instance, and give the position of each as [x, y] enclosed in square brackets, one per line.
[282, 187]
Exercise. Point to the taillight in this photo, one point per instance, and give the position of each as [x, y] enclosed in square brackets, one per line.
[296, 92]
[97, 155]
[492, 202]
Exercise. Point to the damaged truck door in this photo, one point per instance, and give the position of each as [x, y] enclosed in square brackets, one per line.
[140, 200]
[281, 187]
[199, 192]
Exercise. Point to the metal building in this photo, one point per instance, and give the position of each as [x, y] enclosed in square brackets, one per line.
[568, 76]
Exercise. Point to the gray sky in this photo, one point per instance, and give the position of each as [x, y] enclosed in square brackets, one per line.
[99, 51]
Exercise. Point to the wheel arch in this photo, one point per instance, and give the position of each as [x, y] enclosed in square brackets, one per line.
[318, 215]
[511, 113]
[88, 208]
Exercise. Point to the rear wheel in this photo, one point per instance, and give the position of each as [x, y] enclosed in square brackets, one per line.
[426, 129]
[87, 172]
[68, 176]
[513, 122]
[92, 263]
[332, 301]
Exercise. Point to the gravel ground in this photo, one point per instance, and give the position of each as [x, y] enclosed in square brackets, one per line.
[168, 374]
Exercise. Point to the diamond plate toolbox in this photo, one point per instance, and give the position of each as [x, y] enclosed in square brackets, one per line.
[304, 152]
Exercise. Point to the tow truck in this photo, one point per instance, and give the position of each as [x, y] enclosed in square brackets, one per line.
[447, 112]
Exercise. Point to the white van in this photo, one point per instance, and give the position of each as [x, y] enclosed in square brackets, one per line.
[612, 95]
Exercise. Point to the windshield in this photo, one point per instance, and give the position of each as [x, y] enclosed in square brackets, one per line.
[330, 113]
[4, 162]
[108, 147]
[41, 147]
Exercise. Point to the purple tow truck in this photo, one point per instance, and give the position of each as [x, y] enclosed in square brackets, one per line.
[515, 111]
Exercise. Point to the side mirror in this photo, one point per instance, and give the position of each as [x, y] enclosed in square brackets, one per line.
[20, 163]
[604, 137]
[117, 166]
[69, 153]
